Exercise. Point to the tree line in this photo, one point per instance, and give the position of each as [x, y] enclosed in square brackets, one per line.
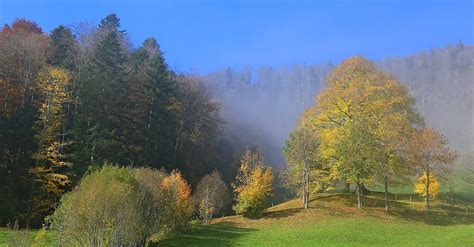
[75, 99]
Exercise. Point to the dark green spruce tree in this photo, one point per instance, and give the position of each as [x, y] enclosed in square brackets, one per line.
[103, 92]
[64, 48]
[154, 103]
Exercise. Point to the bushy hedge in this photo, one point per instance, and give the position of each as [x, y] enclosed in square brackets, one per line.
[122, 207]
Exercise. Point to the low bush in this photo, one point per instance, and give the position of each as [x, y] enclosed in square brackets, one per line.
[212, 196]
[122, 207]
[105, 209]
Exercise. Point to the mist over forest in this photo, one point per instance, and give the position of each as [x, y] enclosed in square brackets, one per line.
[260, 106]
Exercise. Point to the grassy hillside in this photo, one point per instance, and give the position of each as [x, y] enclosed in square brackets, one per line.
[333, 220]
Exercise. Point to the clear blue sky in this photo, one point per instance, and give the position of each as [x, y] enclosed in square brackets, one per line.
[202, 36]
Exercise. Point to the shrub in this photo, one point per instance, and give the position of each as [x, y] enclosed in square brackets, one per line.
[106, 209]
[153, 194]
[212, 195]
[123, 207]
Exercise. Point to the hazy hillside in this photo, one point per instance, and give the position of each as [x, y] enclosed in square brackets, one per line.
[262, 105]
[442, 82]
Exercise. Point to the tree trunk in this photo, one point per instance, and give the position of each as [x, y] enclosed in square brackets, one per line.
[305, 187]
[451, 192]
[6, 101]
[206, 203]
[427, 198]
[363, 189]
[347, 188]
[25, 84]
[359, 200]
[386, 192]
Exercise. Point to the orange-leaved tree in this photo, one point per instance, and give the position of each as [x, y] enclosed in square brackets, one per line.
[178, 202]
[429, 153]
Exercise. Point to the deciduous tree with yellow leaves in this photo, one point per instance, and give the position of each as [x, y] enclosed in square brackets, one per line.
[421, 187]
[178, 202]
[52, 168]
[359, 106]
[253, 185]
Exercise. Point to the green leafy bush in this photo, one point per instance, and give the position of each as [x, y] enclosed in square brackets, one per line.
[106, 209]
[116, 206]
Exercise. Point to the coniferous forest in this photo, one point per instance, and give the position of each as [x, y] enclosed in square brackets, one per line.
[73, 102]
[103, 144]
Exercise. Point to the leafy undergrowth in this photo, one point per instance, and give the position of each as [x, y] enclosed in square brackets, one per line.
[333, 220]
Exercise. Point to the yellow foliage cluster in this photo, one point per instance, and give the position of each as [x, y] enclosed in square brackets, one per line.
[421, 185]
[358, 94]
[254, 185]
[178, 204]
[51, 168]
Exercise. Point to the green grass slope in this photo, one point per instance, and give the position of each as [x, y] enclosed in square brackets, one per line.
[24, 238]
[333, 220]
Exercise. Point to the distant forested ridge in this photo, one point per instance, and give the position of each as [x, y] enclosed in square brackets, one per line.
[442, 83]
[261, 106]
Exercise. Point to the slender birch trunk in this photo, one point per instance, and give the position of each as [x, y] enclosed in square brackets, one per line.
[386, 192]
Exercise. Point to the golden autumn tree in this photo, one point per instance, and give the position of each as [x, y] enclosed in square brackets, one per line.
[421, 187]
[429, 153]
[360, 98]
[178, 202]
[392, 118]
[253, 185]
[52, 169]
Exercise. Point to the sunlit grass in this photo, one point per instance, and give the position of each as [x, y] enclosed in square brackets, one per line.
[24, 237]
[333, 220]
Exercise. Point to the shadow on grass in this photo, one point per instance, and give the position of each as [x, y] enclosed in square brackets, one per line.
[436, 217]
[441, 214]
[219, 234]
[282, 213]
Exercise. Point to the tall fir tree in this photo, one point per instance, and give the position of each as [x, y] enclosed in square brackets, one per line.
[99, 132]
[153, 97]
[64, 48]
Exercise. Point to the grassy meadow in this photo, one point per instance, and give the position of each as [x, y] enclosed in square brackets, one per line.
[331, 220]
[334, 220]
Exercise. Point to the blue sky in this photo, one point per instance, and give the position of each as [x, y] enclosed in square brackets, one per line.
[203, 36]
